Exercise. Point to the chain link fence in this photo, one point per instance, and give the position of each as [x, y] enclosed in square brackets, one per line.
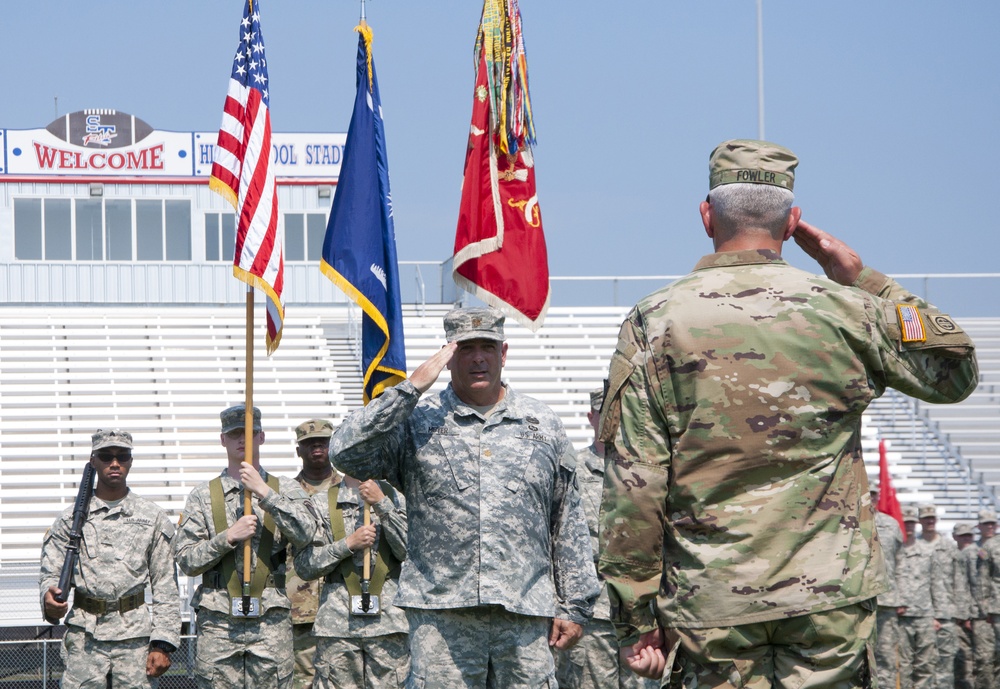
[30, 650]
[34, 662]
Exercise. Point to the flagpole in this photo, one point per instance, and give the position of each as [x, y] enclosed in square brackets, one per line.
[760, 70]
[248, 431]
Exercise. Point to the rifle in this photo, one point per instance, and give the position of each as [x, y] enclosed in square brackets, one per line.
[80, 509]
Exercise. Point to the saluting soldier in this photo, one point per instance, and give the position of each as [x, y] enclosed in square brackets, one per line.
[499, 564]
[112, 637]
[240, 647]
[361, 642]
[312, 445]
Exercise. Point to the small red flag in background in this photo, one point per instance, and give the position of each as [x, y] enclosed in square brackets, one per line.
[887, 501]
[500, 254]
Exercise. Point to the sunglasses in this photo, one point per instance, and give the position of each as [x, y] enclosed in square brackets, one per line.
[108, 457]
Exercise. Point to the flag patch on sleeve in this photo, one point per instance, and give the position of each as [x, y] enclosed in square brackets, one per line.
[910, 323]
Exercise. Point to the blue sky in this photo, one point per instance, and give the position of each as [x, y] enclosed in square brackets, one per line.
[893, 108]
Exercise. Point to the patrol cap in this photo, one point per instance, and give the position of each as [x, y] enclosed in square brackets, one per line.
[596, 399]
[910, 513]
[114, 437]
[234, 417]
[474, 324]
[927, 510]
[987, 517]
[313, 428]
[748, 161]
[962, 529]
[873, 486]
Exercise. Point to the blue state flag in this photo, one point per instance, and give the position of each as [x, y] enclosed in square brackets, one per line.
[359, 251]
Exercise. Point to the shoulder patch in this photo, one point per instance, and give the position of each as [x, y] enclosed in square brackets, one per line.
[911, 324]
[942, 324]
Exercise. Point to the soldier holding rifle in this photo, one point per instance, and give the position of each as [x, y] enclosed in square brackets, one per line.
[121, 544]
[243, 645]
[499, 563]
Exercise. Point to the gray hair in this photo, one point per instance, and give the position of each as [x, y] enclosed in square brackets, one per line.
[737, 208]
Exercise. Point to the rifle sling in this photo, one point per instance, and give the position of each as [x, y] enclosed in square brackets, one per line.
[227, 565]
[384, 563]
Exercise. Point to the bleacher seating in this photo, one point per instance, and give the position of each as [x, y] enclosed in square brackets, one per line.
[165, 373]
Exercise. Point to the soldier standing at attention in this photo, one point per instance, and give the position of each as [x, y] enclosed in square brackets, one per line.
[966, 606]
[111, 637]
[312, 445]
[943, 577]
[987, 593]
[499, 564]
[918, 654]
[887, 635]
[594, 662]
[237, 647]
[736, 505]
[359, 646]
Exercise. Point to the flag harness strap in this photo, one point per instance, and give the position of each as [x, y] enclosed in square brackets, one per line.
[227, 565]
[384, 563]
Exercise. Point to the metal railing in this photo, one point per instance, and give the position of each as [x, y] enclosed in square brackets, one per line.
[421, 282]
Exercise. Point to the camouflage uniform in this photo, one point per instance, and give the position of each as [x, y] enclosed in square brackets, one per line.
[972, 593]
[943, 573]
[355, 650]
[594, 662]
[125, 546]
[304, 597]
[918, 649]
[735, 403]
[236, 651]
[887, 635]
[989, 569]
[495, 521]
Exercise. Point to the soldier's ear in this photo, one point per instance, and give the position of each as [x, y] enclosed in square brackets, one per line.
[705, 208]
[794, 215]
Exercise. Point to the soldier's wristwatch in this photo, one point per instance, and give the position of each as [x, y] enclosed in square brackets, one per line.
[167, 648]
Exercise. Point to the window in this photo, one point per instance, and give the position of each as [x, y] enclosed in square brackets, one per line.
[220, 236]
[118, 223]
[177, 215]
[94, 229]
[89, 230]
[28, 229]
[304, 234]
[58, 230]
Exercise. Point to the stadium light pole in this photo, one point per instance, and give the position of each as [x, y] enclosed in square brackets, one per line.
[760, 69]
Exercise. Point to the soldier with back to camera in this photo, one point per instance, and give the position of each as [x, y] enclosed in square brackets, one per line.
[736, 504]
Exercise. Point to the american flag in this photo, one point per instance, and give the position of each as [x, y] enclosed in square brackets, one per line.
[242, 172]
[913, 327]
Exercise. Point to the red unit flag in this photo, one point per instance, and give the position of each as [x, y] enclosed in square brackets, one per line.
[500, 253]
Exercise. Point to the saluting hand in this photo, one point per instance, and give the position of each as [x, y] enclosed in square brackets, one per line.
[371, 492]
[839, 261]
[426, 373]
